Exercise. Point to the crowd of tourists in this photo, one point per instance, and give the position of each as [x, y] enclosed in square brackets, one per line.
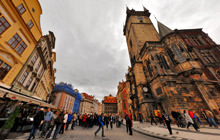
[51, 123]
[186, 120]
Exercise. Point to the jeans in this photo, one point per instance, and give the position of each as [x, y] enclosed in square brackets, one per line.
[168, 127]
[57, 130]
[100, 126]
[212, 122]
[45, 127]
[67, 125]
[73, 125]
[50, 131]
[33, 132]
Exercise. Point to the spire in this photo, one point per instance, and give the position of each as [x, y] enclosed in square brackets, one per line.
[163, 29]
[127, 7]
[145, 9]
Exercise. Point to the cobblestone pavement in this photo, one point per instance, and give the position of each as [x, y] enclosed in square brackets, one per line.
[88, 134]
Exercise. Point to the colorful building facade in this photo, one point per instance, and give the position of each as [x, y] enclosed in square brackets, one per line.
[66, 98]
[87, 105]
[110, 104]
[19, 32]
[36, 78]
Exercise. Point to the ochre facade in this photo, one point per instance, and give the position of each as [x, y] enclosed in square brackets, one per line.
[172, 69]
[19, 32]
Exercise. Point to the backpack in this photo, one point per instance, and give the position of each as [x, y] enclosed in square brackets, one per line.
[126, 118]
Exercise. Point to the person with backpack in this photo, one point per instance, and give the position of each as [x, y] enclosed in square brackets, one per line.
[101, 125]
[58, 123]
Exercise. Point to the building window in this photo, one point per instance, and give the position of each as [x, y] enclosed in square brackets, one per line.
[21, 47]
[30, 24]
[16, 43]
[4, 25]
[207, 56]
[21, 9]
[178, 53]
[4, 69]
[24, 76]
[29, 82]
[34, 59]
[159, 91]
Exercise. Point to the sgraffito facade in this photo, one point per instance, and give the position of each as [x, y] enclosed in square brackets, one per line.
[172, 69]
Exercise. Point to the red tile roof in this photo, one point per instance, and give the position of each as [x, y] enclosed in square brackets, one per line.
[110, 99]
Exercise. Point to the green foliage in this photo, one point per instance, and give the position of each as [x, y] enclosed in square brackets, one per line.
[10, 122]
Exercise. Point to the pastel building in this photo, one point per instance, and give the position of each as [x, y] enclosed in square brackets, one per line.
[66, 99]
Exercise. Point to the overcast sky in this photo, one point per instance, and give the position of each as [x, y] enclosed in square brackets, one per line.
[91, 50]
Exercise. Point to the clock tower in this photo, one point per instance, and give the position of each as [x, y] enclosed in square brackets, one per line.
[138, 29]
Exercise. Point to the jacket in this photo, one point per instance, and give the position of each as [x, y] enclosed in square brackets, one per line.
[38, 118]
[100, 121]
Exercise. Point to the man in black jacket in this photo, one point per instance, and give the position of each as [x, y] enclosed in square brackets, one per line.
[37, 120]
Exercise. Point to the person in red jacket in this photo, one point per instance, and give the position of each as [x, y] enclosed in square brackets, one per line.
[84, 120]
[130, 123]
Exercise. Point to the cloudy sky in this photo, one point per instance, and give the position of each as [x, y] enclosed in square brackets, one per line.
[91, 49]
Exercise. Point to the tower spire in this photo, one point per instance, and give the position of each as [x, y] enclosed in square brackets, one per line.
[163, 29]
[145, 9]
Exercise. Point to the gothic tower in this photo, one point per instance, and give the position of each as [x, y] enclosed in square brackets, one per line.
[138, 29]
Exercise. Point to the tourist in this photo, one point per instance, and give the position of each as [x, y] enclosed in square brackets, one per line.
[52, 124]
[210, 117]
[69, 120]
[47, 121]
[101, 125]
[106, 120]
[167, 120]
[74, 119]
[127, 122]
[38, 118]
[130, 123]
[58, 123]
[204, 115]
[189, 121]
[111, 120]
[65, 118]
[152, 119]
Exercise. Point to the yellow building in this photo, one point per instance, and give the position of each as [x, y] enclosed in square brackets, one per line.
[19, 32]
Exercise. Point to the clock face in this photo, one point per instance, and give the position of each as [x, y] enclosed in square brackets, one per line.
[145, 89]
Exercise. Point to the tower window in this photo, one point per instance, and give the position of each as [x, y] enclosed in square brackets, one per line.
[21, 8]
[130, 43]
[4, 25]
[140, 19]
